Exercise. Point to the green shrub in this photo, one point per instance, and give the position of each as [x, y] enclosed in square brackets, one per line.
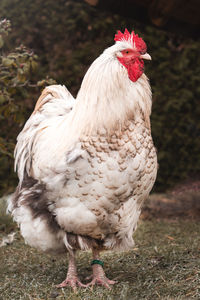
[17, 87]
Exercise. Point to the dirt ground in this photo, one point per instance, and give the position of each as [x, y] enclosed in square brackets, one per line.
[181, 202]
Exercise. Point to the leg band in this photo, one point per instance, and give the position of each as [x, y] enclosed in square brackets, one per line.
[97, 262]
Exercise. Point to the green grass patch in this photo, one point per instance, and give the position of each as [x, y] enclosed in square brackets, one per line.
[164, 264]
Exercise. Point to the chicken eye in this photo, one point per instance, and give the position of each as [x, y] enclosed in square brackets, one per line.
[124, 52]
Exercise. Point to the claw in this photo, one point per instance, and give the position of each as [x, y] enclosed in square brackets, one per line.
[72, 282]
[104, 281]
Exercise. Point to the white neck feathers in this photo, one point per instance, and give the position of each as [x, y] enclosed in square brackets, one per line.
[107, 98]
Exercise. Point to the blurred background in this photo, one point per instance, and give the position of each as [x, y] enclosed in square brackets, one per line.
[55, 41]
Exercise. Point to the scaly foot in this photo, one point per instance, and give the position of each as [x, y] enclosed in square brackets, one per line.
[73, 282]
[104, 281]
[72, 279]
[99, 277]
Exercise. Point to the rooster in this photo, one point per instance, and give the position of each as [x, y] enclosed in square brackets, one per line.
[85, 166]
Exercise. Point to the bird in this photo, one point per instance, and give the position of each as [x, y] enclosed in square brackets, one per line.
[87, 165]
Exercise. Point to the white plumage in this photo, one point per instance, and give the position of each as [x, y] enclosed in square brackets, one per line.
[85, 166]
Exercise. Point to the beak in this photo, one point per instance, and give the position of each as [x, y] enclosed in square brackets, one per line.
[145, 56]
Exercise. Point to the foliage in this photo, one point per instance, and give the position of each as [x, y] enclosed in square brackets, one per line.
[68, 35]
[17, 69]
[175, 78]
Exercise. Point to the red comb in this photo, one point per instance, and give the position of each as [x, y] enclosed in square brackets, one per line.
[131, 38]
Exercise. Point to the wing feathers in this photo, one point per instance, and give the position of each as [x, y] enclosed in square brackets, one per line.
[54, 102]
[56, 98]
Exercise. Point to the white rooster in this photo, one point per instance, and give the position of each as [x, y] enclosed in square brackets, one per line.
[85, 166]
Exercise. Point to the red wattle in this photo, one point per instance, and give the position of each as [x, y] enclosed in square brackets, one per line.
[135, 69]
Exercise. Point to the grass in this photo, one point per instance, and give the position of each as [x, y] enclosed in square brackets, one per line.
[163, 265]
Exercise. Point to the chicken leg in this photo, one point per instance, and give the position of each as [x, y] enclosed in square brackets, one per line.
[99, 276]
[72, 279]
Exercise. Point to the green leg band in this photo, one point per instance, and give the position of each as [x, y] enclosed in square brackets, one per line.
[97, 262]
